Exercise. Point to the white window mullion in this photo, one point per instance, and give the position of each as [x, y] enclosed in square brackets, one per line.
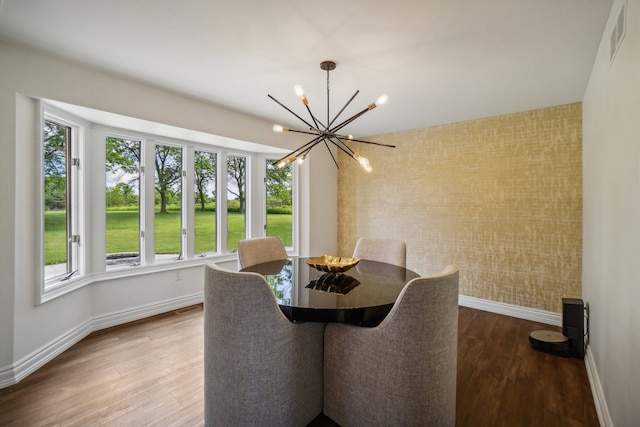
[221, 204]
[295, 210]
[77, 207]
[188, 204]
[147, 199]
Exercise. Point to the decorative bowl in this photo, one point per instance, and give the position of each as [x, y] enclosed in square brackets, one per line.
[332, 264]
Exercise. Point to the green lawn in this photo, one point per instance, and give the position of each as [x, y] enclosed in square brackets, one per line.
[123, 228]
[55, 237]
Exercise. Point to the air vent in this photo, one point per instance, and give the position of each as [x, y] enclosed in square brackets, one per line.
[617, 34]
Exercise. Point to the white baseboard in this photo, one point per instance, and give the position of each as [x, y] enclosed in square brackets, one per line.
[19, 370]
[32, 362]
[125, 316]
[604, 417]
[533, 314]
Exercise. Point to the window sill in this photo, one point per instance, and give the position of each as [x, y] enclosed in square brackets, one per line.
[82, 281]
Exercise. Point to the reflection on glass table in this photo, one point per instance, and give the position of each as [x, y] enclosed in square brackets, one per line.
[295, 286]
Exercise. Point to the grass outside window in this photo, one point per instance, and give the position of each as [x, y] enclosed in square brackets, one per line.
[123, 226]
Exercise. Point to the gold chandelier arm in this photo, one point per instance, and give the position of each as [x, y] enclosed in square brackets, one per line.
[303, 148]
[349, 120]
[341, 145]
[345, 106]
[315, 121]
[330, 134]
[366, 142]
[289, 110]
[305, 132]
[329, 150]
[362, 161]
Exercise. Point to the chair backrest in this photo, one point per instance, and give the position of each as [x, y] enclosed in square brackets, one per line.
[391, 251]
[422, 327]
[429, 299]
[256, 360]
[416, 345]
[259, 250]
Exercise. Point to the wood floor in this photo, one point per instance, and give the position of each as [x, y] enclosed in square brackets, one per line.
[150, 373]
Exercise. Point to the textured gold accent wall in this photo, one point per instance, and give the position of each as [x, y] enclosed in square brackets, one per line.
[501, 197]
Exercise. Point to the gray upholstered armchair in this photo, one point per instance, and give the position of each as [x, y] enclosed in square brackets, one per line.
[259, 250]
[391, 251]
[260, 368]
[402, 372]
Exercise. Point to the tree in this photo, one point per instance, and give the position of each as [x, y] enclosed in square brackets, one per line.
[123, 159]
[237, 174]
[205, 175]
[55, 165]
[121, 194]
[55, 192]
[168, 163]
[279, 183]
[124, 156]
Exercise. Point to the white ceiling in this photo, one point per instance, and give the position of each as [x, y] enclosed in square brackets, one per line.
[439, 61]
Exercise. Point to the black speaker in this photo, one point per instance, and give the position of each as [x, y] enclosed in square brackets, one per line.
[573, 325]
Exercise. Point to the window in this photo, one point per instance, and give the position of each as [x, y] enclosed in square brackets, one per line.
[122, 201]
[166, 199]
[236, 200]
[205, 201]
[60, 175]
[168, 203]
[279, 215]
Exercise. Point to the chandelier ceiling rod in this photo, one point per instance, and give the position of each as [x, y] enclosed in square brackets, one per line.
[326, 134]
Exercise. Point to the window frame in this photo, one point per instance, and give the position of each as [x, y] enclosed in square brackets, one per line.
[76, 256]
[141, 194]
[90, 137]
[294, 199]
[149, 182]
[190, 202]
[248, 187]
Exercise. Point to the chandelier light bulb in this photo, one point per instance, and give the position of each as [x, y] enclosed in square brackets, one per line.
[279, 129]
[349, 136]
[364, 162]
[284, 162]
[301, 159]
[382, 100]
[300, 92]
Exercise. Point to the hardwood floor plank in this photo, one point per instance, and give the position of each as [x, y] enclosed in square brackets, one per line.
[150, 372]
[497, 366]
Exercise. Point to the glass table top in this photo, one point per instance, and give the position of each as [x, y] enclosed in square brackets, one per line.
[362, 295]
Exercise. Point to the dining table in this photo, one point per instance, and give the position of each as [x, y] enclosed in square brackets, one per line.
[362, 295]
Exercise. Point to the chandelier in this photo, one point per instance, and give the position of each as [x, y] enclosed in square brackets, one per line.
[327, 132]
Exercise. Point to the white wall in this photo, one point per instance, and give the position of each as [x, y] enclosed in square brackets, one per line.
[27, 329]
[611, 222]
